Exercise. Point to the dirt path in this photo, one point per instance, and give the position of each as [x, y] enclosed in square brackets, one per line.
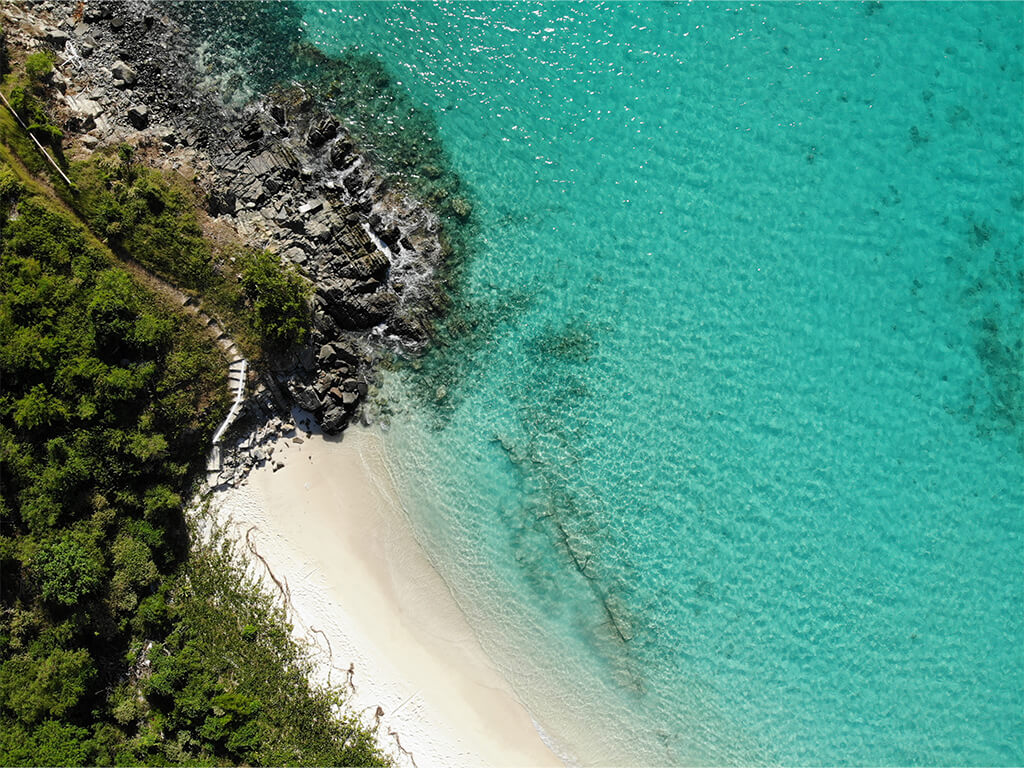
[174, 297]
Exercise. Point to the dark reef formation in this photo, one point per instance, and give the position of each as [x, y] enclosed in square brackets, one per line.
[275, 165]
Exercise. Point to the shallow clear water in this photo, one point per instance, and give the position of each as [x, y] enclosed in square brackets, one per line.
[731, 467]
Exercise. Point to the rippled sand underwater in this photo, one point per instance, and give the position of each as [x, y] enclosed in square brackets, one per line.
[723, 452]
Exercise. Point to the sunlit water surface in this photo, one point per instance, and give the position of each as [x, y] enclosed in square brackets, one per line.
[729, 468]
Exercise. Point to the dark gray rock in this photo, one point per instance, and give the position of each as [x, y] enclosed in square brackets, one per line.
[354, 184]
[306, 359]
[327, 355]
[323, 131]
[347, 355]
[94, 12]
[221, 201]
[341, 154]
[335, 419]
[314, 206]
[56, 37]
[252, 130]
[124, 75]
[85, 112]
[318, 229]
[254, 192]
[138, 116]
[390, 236]
[307, 399]
[361, 312]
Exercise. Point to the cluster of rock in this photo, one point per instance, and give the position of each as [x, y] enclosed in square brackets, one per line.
[256, 447]
[292, 178]
[282, 173]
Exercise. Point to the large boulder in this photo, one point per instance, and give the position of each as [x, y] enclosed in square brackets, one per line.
[362, 311]
[341, 154]
[306, 398]
[346, 397]
[252, 130]
[344, 356]
[222, 201]
[85, 112]
[124, 75]
[56, 37]
[94, 12]
[138, 116]
[322, 132]
[327, 355]
[334, 419]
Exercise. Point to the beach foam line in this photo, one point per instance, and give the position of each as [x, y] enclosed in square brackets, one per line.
[380, 620]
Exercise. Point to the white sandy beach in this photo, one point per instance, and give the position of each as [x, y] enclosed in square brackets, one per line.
[365, 594]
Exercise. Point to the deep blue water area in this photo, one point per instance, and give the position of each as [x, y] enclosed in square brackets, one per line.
[726, 464]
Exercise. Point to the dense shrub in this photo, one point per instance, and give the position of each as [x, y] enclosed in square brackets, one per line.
[39, 65]
[277, 298]
[107, 406]
[152, 219]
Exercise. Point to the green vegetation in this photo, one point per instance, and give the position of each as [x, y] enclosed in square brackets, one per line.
[150, 218]
[4, 64]
[28, 93]
[26, 90]
[123, 640]
[276, 300]
[39, 65]
[228, 676]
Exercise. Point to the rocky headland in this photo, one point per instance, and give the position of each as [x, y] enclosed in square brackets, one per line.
[278, 172]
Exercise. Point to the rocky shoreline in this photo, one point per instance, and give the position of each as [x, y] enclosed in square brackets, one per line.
[280, 174]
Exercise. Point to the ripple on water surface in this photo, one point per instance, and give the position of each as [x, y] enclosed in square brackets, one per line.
[726, 466]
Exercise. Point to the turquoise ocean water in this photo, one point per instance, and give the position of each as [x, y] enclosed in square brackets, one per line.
[729, 465]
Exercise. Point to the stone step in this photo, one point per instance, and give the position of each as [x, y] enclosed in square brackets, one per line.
[213, 460]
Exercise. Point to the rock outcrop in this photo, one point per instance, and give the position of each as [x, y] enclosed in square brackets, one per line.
[281, 172]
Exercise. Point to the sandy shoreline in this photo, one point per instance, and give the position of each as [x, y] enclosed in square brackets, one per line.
[365, 594]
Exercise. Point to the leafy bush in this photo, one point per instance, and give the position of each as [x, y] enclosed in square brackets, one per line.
[32, 113]
[52, 742]
[39, 65]
[277, 296]
[35, 687]
[4, 66]
[69, 566]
